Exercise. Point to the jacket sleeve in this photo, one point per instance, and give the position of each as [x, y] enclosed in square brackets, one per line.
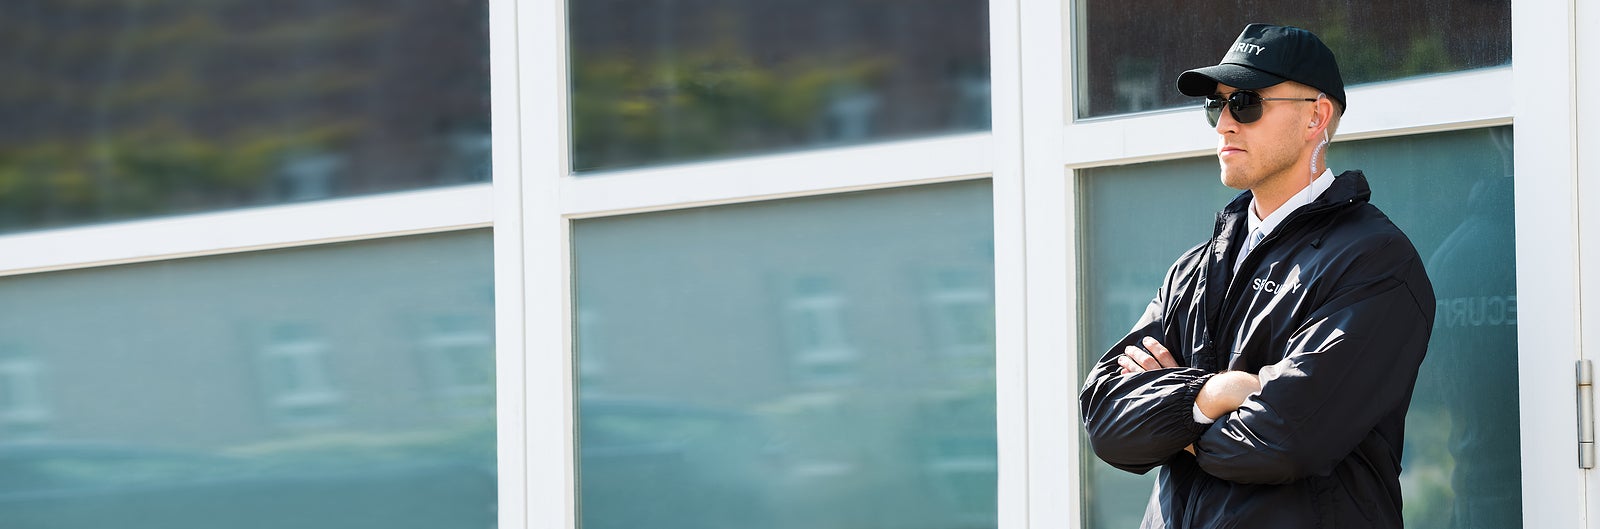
[1135, 422]
[1352, 363]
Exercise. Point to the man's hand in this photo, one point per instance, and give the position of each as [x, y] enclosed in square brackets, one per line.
[1225, 392]
[1136, 360]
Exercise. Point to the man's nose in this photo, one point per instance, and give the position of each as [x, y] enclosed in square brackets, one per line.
[1226, 123]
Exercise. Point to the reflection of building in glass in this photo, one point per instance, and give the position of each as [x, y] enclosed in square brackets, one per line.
[24, 412]
[820, 351]
[328, 387]
[851, 338]
[960, 311]
[274, 346]
[458, 350]
[300, 389]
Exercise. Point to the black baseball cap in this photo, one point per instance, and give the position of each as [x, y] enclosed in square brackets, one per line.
[1265, 55]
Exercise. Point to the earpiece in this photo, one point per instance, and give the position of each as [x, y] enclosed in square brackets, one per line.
[1324, 143]
[1317, 151]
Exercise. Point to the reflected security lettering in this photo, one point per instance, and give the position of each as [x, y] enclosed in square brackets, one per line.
[1477, 311]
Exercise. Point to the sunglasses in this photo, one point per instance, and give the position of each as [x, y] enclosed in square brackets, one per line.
[1244, 104]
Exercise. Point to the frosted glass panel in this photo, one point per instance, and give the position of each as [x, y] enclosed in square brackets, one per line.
[346, 386]
[802, 364]
[1452, 195]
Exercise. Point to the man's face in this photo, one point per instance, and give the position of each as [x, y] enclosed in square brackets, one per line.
[1266, 151]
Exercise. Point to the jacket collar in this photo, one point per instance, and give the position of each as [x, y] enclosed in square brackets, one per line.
[1349, 186]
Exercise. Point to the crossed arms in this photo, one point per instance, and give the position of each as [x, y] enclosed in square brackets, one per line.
[1220, 395]
[1349, 366]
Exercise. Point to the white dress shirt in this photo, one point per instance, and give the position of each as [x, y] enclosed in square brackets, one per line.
[1260, 228]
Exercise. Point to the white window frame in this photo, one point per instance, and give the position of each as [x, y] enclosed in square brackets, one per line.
[248, 229]
[1567, 151]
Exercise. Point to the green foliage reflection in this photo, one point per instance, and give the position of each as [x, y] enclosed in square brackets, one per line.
[116, 110]
[628, 111]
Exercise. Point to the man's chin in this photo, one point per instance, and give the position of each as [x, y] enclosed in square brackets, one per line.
[1234, 181]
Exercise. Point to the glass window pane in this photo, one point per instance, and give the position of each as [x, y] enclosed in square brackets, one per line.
[657, 81]
[1452, 195]
[117, 109]
[807, 363]
[1129, 61]
[343, 386]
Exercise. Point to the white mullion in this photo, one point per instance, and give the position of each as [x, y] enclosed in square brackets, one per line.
[250, 229]
[1007, 79]
[889, 164]
[546, 298]
[1549, 338]
[510, 302]
[1438, 103]
[1054, 480]
[1585, 140]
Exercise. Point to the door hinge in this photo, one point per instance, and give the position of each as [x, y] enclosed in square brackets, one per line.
[1585, 414]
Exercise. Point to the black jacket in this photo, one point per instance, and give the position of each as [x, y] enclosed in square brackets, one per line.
[1333, 310]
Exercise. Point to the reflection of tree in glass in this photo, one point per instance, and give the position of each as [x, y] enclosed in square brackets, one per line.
[629, 111]
[1364, 61]
[117, 109]
[1132, 60]
[657, 81]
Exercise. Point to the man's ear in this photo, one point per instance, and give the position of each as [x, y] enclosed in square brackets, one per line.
[1321, 113]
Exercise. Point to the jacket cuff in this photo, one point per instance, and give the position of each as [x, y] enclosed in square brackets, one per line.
[1198, 422]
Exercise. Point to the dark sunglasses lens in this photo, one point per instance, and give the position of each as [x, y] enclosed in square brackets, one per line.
[1246, 106]
[1214, 110]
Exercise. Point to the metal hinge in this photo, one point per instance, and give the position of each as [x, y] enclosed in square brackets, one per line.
[1585, 414]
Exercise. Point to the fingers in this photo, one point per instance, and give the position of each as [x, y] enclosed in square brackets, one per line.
[1136, 360]
[1140, 358]
[1162, 355]
[1128, 365]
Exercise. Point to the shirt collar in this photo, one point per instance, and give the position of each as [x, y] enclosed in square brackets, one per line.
[1305, 196]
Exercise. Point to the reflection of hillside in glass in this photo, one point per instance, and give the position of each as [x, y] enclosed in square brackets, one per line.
[331, 387]
[116, 110]
[658, 81]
